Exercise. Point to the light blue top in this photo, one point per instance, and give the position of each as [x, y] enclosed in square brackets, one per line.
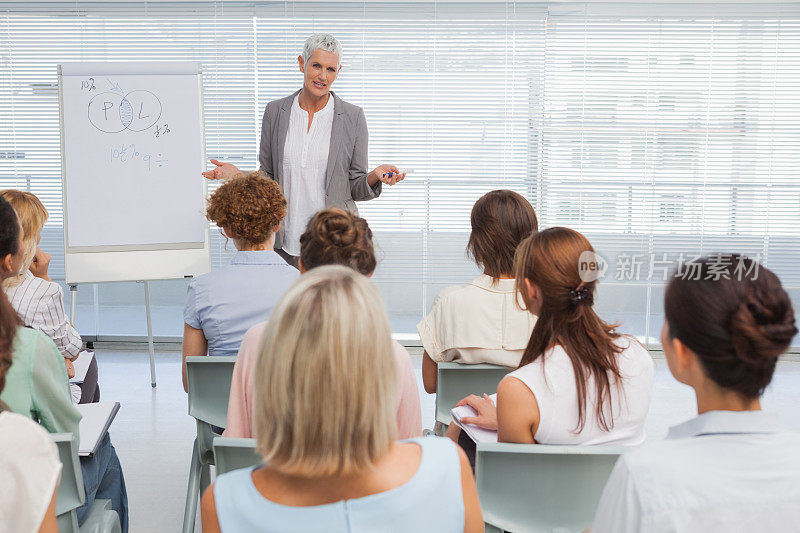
[430, 501]
[721, 471]
[226, 302]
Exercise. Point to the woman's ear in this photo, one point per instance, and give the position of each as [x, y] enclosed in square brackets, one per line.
[7, 266]
[300, 63]
[532, 291]
[685, 362]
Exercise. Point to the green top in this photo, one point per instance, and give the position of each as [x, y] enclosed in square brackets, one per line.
[37, 384]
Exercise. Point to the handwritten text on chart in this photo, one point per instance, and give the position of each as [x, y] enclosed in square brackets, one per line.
[128, 154]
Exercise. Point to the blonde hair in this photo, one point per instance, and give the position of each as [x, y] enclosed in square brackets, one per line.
[32, 215]
[325, 380]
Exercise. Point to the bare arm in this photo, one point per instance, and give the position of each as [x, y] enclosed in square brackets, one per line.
[473, 519]
[49, 524]
[429, 368]
[517, 412]
[208, 512]
[194, 343]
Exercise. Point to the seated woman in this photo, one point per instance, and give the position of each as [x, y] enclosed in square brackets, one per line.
[40, 301]
[733, 467]
[333, 237]
[482, 322]
[36, 387]
[324, 423]
[579, 381]
[28, 457]
[223, 304]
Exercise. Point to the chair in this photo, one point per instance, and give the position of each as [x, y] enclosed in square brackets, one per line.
[101, 518]
[454, 381]
[537, 488]
[209, 385]
[233, 454]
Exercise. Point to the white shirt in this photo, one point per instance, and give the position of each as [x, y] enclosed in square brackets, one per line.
[722, 471]
[477, 323]
[551, 379]
[29, 473]
[40, 305]
[305, 162]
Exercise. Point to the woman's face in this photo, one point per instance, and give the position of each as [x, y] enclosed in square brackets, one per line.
[319, 72]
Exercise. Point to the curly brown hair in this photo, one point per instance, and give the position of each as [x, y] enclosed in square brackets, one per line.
[248, 207]
[337, 237]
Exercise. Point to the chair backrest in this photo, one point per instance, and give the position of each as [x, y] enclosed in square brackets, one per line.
[70, 494]
[454, 381]
[209, 385]
[534, 487]
[233, 454]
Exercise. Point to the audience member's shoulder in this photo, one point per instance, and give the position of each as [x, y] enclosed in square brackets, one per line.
[454, 294]
[253, 334]
[635, 351]
[29, 338]
[27, 435]
[42, 286]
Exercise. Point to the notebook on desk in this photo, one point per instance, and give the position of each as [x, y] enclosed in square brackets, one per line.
[95, 421]
[81, 366]
[476, 433]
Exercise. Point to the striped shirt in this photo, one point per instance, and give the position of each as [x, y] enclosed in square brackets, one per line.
[40, 305]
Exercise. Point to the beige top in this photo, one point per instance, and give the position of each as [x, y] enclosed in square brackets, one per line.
[477, 323]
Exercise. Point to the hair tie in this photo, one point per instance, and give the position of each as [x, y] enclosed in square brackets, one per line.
[581, 295]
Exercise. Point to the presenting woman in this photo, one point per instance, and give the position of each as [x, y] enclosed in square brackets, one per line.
[314, 144]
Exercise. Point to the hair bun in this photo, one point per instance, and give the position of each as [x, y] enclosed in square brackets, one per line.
[337, 229]
[762, 327]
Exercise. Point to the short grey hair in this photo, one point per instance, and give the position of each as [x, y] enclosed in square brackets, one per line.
[322, 41]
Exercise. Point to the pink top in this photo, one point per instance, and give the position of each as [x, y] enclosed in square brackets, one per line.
[240, 403]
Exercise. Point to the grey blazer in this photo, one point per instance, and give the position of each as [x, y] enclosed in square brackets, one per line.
[346, 176]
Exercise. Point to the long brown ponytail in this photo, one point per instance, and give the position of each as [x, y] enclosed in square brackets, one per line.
[550, 260]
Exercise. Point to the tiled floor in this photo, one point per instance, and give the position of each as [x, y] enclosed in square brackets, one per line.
[153, 433]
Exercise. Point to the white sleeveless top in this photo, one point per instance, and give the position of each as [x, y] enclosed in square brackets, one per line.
[551, 379]
[431, 500]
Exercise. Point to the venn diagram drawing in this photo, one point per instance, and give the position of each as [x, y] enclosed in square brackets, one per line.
[135, 111]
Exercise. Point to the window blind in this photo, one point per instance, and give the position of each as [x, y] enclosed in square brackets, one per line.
[659, 131]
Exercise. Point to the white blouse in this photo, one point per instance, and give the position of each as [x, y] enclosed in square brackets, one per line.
[29, 473]
[480, 322]
[551, 379]
[305, 162]
[722, 471]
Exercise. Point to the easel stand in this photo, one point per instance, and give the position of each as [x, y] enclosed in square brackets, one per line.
[73, 290]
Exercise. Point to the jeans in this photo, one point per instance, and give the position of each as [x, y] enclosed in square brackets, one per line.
[103, 480]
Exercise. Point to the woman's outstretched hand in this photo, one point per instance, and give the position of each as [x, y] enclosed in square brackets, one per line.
[388, 174]
[487, 411]
[222, 171]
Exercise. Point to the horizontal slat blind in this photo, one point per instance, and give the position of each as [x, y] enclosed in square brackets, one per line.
[668, 137]
[654, 131]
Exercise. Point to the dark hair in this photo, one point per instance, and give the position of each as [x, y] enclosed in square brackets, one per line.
[550, 259]
[500, 220]
[9, 321]
[734, 314]
[337, 237]
[9, 229]
[249, 207]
